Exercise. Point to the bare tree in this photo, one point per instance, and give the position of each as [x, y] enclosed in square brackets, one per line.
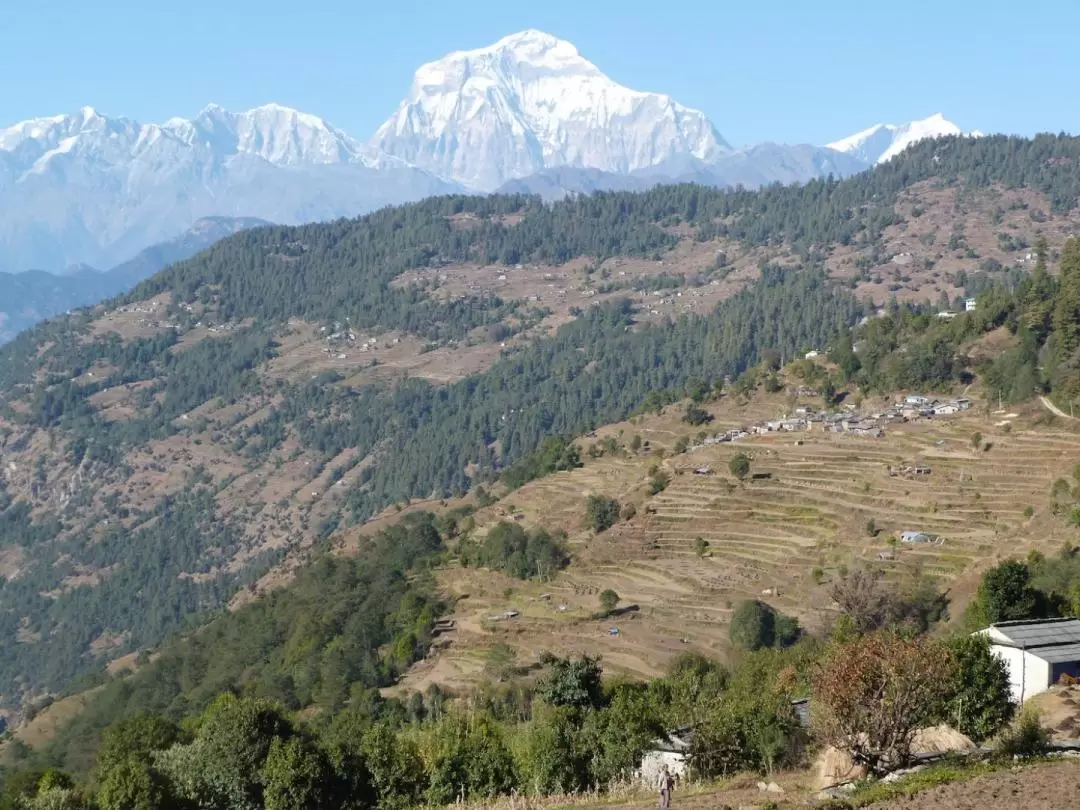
[863, 595]
[871, 695]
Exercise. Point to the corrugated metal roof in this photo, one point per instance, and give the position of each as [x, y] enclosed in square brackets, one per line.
[1047, 632]
[1058, 654]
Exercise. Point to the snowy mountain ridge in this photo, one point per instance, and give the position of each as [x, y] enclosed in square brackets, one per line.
[276, 134]
[532, 102]
[90, 189]
[883, 142]
[528, 111]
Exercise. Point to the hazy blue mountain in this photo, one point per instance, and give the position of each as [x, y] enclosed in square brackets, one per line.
[32, 296]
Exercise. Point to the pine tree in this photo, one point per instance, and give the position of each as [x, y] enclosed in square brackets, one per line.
[1066, 319]
[1039, 296]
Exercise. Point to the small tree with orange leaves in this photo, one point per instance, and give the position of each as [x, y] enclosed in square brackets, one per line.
[872, 694]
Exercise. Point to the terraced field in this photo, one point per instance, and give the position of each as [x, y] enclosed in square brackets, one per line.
[780, 538]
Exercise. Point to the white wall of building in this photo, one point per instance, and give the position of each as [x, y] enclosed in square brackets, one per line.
[654, 761]
[1028, 674]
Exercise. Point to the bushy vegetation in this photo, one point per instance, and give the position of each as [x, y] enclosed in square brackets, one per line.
[1039, 587]
[601, 513]
[564, 730]
[755, 625]
[344, 627]
[507, 547]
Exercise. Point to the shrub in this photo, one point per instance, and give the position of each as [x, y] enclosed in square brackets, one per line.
[755, 625]
[659, 482]
[696, 415]
[1025, 738]
[980, 703]
[601, 513]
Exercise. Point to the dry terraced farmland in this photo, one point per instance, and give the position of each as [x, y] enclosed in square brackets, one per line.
[781, 538]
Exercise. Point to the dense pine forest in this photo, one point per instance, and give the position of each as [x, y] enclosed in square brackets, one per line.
[431, 440]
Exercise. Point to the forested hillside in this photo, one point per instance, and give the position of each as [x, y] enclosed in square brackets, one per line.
[153, 460]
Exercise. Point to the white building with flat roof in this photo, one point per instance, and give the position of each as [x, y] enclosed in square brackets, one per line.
[1037, 652]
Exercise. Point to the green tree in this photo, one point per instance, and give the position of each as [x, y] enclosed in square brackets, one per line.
[622, 733]
[1066, 318]
[752, 625]
[397, 771]
[132, 784]
[739, 465]
[608, 600]
[572, 682]
[1038, 300]
[843, 354]
[601, 513]
[697, 390]
[556, 756]
[471, 759]
[979, 700]
[701, 546]
[659, 482]
[298, 775]
[1006, 594]
[745, 729]
[222, 768]
[696, 415]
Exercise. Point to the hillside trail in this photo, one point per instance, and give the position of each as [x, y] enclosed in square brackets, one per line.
[1054, 409]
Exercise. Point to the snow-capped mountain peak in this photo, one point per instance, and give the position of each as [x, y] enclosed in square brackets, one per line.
[124, 185]
[283, 136]
[881, 142]
[531, 101]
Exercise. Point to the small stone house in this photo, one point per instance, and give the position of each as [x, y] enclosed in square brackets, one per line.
[672, 750]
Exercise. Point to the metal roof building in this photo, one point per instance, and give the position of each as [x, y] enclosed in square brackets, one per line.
[1037, 652]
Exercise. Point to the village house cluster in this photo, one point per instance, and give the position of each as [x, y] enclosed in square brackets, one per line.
[913, 406]
[341, 338]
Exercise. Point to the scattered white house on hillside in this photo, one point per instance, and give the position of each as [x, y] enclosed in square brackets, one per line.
[1037, 652]
[969, 305]
[673, 750]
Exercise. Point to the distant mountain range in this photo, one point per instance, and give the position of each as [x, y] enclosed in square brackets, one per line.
[528, 113]
[32, 296]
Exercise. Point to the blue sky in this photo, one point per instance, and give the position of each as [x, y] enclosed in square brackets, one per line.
[790, 71]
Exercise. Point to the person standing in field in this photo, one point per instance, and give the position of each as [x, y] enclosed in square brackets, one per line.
[665, 783]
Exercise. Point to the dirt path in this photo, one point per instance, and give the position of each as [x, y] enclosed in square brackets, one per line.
[1054, 409]
[1050, 786]
[1043, 787]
